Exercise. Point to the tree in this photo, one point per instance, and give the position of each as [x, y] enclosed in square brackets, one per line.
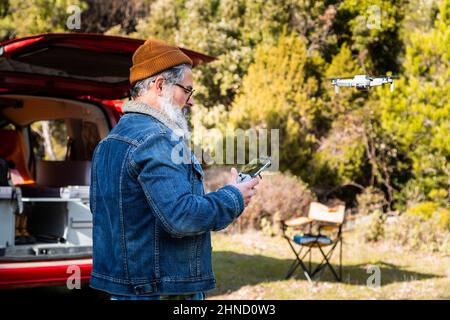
[372, 29]
[101, 15]
[277, 94]
[417, 115]
[22, 18]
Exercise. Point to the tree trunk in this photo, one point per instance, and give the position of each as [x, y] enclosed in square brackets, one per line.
[46, 134]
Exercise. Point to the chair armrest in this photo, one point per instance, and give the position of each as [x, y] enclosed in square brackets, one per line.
[297, 222]
[327, 223]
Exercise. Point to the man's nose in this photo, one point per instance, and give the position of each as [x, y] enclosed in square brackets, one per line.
[190, 102]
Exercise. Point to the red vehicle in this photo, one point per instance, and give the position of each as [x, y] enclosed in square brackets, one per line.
[60, 94]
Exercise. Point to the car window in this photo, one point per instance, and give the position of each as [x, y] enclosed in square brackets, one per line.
[49, 140]
[64, 139]
[8, 126]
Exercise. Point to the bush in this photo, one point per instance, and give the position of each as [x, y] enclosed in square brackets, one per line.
[376, 227]
[279, 196]
[370, 199]
[429, 210]
[416, 233]
[424, 226]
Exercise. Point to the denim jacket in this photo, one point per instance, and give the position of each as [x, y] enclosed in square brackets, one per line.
[151, 216]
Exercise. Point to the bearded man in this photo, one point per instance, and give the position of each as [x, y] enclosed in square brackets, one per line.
[152, 218]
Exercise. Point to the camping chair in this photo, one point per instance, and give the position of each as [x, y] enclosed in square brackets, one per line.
[325, 218]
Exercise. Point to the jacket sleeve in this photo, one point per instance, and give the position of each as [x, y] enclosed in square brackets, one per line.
[168, 191]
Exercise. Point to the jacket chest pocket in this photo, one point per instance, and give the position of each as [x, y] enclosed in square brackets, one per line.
[195, 260]
[197, 177]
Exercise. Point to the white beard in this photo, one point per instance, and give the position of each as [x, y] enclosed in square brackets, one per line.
[174, 113]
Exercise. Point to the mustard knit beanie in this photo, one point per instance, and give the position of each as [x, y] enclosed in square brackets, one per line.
[153, 57]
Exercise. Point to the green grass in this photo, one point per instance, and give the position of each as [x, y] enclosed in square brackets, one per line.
[253, 266]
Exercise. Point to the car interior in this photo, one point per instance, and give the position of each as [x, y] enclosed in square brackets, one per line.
[48, 143]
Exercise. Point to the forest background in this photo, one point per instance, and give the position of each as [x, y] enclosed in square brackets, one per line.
[383, 154]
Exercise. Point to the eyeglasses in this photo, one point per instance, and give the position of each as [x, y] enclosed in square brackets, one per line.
[188, 91]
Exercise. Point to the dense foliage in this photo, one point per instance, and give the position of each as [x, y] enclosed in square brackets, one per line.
[274, 58]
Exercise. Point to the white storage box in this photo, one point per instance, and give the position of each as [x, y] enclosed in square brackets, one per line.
[7, 218]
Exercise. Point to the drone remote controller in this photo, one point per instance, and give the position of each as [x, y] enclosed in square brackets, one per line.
[243, 177]
[253, 169]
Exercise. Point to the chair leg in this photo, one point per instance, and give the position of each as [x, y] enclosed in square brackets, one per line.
[327, 262]
[294, 264]
[310, 253]
[297, 262]
[292, 268]
[309, 273]
[340, 259]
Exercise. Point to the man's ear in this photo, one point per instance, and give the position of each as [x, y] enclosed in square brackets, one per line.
[158, 85]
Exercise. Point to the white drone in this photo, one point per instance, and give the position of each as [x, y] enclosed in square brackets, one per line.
[362, 82]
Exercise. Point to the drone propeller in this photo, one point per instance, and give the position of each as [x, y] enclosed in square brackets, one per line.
[340, 78]
[384, 76]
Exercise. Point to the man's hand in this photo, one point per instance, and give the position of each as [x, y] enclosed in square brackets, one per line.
[246, 188]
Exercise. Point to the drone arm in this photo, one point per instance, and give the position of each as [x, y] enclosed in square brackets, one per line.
[345, 83]
[378, 82]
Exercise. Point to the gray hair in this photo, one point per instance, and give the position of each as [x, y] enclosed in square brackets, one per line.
[172, 76]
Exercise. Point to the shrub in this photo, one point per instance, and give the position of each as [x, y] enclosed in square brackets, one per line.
[370, 199]
[416, 233]
[279, 196]
[376, 227]
[431, 210]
